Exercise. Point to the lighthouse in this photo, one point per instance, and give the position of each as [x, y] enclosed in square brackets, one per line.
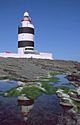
[26, 36]
[26, 48]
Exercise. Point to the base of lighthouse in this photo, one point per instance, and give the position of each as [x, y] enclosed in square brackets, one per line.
[34, 55]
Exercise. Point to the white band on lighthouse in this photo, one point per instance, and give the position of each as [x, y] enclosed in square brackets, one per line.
[24, 24]
[25, 36]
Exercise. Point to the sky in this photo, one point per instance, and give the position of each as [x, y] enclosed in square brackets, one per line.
[57, 26]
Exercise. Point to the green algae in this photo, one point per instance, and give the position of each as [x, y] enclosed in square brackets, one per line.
[76, 106]
[75, 84]
[53, 73]
[50, 89]
[65, 88]
[31, 92]
[52, 79]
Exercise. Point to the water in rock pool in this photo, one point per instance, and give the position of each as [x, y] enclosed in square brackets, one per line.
[46, 110]
[62, 82]
[7, 85]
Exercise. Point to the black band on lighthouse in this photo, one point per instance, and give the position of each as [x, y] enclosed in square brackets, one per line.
[25, 30]
[25, 43]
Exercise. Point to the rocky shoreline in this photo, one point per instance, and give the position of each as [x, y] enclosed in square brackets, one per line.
[32, 69]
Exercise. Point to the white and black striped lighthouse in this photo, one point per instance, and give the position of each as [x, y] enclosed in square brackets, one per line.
[26, 35]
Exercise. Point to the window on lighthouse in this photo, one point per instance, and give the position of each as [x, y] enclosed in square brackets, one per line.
[29, 48]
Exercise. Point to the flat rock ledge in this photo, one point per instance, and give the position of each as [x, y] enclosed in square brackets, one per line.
[32, 69]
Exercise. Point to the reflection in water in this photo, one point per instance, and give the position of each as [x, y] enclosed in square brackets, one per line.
[46, 111]
[14, 110]
[26, 105]
[10, 111]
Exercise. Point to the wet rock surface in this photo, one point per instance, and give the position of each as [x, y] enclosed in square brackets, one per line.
[74, 77]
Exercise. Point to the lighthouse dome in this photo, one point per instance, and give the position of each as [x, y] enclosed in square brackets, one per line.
[26, 14]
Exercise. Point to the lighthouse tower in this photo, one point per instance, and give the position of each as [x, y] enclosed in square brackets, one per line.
[26, 36]
[26, 42]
